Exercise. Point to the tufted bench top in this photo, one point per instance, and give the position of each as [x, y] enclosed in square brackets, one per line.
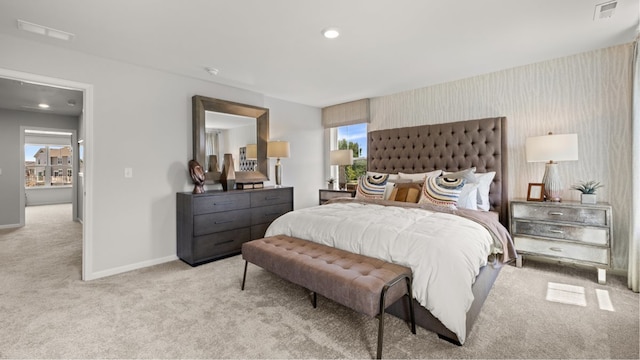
[353, 280]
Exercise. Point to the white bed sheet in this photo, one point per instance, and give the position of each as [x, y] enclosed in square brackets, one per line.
[444, 251]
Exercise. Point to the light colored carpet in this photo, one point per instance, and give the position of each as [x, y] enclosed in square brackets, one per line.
[176, 311]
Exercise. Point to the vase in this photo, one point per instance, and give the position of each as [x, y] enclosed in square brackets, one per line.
[588, 198]
[228, 175]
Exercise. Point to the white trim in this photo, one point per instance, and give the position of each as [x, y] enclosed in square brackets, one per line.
[87, 118]
[131, 267]
[10, 226]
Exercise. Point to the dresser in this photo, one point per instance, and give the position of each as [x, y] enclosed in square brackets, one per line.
[213, 225]
[565, 231]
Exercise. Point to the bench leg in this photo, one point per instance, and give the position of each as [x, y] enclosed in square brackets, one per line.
[244, 277]
[383, 307]
[315, 299]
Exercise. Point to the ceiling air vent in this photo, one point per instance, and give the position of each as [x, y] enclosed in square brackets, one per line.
[605, 10]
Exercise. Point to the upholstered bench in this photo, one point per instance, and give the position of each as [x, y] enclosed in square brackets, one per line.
[362, 283]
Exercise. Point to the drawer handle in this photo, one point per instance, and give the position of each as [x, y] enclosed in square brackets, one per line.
[224, 242]
[556, 213]
[223, 222]
[556, 249]
[271, 214]
[272, 198]
[222, 203]
[556, 231]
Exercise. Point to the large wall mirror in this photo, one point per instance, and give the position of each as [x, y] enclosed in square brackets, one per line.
[220, 127]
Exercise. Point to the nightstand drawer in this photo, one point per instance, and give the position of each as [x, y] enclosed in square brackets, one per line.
[579, 215]
[591, 235]
[563, 249]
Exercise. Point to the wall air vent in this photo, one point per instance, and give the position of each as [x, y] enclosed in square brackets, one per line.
[605, 10]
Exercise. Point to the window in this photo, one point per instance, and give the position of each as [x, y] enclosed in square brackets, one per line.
[48, 165]
[353, 137]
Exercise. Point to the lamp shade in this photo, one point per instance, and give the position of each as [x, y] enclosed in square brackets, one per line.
[278, 149]
[341, 157]
[563, 147]
[252, 152]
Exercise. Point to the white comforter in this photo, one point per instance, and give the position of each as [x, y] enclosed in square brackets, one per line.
[444, 251]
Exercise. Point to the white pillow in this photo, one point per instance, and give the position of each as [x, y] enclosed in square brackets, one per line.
[484, 180]
[469, 196]
[419, 177]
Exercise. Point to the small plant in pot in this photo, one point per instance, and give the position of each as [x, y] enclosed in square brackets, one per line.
[588, 191]
[330, 182]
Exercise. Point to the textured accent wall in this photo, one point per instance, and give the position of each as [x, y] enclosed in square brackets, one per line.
[588, 94]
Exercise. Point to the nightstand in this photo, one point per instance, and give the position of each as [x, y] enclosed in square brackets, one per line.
[565, 231]
[326, 194]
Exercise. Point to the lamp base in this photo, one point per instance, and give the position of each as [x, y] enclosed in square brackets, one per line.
[552, 183]
[278, 173]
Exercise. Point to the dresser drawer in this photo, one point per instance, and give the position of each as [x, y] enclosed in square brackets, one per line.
[579, 215]
[222, 221]
[219, 244]
[590, 235]
[271, 197]
[561, 249]
[217, 203]
[267, 214]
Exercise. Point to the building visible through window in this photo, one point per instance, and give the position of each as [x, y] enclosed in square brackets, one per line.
[354, 138]
[48, 165]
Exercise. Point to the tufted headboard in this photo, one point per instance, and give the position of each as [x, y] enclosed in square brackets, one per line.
[451, 147]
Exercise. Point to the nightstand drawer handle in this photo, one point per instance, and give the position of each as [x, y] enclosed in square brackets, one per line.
[556, 249]
[223, 222]
[221, 203]
[556, 213]
[556, 231]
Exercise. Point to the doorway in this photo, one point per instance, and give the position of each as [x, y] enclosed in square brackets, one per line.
[84, 197]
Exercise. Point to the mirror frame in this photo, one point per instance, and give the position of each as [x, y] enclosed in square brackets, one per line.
[201, 104]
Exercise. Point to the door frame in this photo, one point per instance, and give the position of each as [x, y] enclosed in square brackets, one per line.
[86, 123]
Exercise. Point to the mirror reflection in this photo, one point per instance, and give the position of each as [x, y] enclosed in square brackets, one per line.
[230, 134]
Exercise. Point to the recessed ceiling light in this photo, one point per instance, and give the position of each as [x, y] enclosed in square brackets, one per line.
[212, 71]
[331, 33]
[45, 31]
[43, 106]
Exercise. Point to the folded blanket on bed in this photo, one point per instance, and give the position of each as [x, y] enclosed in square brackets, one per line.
[445, 249]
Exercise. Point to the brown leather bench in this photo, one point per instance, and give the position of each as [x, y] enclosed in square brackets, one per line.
[362, 283]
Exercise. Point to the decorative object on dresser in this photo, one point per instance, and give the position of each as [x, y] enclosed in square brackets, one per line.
[197, 175]
[228, 175]
[552, 148]
[535, 192]
[341, 158]
[331, 183]
[215, 224]
[213, 163]
[278, 149]
[587, 191]
[328, 194]
[567, 232]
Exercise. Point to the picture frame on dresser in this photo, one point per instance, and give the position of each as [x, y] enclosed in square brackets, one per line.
[535, 192]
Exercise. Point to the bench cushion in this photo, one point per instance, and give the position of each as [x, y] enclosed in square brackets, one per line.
[353, 280]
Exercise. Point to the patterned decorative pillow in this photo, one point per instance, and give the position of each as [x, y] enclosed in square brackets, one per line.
[441, 191]
[371, 187]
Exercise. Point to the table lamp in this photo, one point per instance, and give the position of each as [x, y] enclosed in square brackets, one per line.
[552, 148]
[341, 158]
[278, 149]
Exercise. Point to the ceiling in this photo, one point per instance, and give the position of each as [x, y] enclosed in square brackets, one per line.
[275, 47]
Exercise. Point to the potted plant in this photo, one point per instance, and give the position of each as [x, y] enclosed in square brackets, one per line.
[330, 182]
[588, 191]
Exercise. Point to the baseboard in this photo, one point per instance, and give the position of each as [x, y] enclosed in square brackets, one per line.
[10, 226]
[131, 267]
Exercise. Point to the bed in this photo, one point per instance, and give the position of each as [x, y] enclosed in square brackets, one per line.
[454, 273]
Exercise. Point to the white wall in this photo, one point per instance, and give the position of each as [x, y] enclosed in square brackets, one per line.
[49, 195]
[588, 94]
[142, 120]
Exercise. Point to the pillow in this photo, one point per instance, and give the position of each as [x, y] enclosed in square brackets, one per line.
[391, 184]
[392, 177]
[484, 181]
[419, 176]
[371, 187]
[467, 174]
[441, 191]
[406, 192]
[469, 194]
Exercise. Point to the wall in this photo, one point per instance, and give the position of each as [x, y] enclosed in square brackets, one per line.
[11, 155]
[142, 120]
[588, 94]
[48, 196]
